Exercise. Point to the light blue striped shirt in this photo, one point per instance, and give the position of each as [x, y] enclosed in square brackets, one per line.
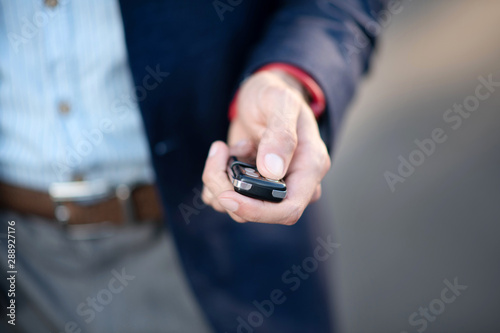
[67, 102]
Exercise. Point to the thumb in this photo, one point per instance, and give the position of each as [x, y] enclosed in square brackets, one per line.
[279, 139]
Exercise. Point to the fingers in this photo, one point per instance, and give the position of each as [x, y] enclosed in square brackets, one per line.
[236, 134]
[214, 177]
[209, 199]
[317, 194]
[279, 139]
[302, 187]
[260, 211]
[243, 148]
[286, 212]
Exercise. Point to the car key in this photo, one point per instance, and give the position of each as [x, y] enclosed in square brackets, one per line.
[247, 180]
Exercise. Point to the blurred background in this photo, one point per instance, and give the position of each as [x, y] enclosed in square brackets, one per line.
[442, 223]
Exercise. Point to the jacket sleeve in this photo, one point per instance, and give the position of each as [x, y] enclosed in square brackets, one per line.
[331, 40]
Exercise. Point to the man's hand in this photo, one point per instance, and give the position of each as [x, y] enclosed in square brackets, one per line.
[274, 119]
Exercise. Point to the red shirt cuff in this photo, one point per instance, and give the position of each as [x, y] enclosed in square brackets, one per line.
[317, 100]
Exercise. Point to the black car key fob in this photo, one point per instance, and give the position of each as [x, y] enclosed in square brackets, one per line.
[247, 180]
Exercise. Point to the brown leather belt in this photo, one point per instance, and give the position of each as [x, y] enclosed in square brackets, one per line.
[142, 203]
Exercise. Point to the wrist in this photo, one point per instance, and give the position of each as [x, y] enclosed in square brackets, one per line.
[314, 94]
[299, 80]
[291, 82]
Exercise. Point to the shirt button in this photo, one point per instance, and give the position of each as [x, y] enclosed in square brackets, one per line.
[161, 148]
[51, 3]
[78, 177]
[64, 108]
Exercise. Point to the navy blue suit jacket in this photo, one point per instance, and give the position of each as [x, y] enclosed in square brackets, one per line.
[207, 47]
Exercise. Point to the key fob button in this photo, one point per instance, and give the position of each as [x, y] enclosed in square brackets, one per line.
[249, 182]
[251, 172]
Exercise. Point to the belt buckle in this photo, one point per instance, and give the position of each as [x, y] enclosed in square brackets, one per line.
[88, 192]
